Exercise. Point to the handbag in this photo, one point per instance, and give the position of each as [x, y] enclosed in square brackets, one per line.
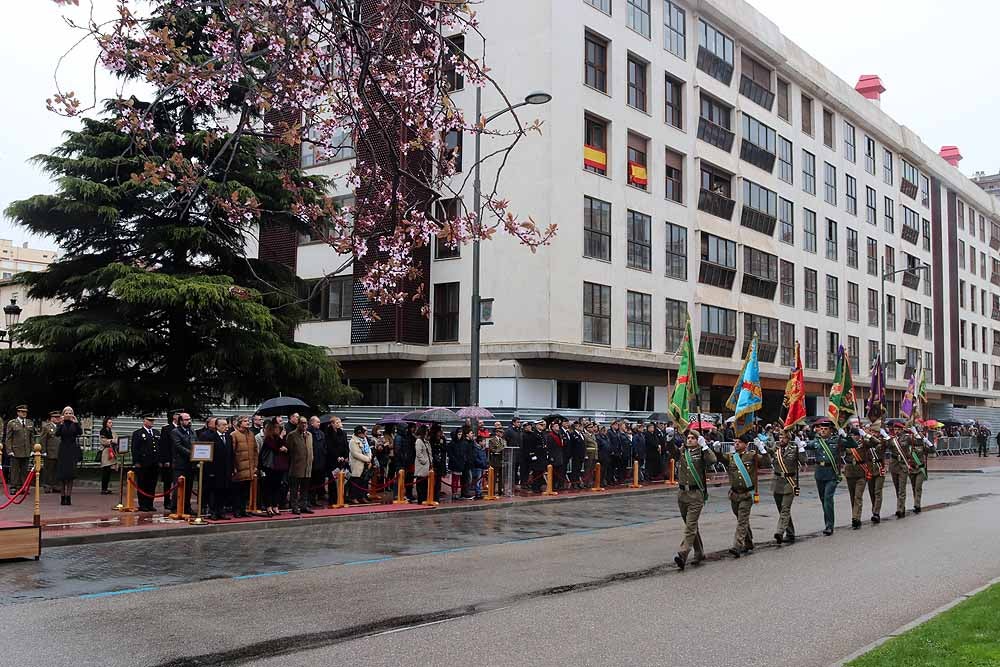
[266, 458]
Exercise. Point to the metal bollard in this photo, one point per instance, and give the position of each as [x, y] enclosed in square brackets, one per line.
[36, 519]
[490, 482]
[129, 505]
[548, 482]
[597, 478]
[340, 492]
[400, 489]
[179, 506]
[635, 476]
[431, 486]
[670, 473]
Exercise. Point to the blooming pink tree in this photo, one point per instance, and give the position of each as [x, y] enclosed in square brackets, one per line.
[314, 72]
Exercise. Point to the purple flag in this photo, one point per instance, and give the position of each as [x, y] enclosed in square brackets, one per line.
[906, 409]
[875, 406]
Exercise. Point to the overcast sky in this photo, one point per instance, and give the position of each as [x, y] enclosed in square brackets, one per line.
[935, 60]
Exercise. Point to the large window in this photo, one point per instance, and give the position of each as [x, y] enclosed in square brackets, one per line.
[330, 299]
[785, 166]
[718, 331]
[869, 155]
[787, 344]
[676, 324]
[786, 217]
[832, 296]
[784, 106]
[446, 307]
[759, 143]
[807, 114]
[755, 82]
[447, 209]
[890, 314]
[850, 148]
[851, 193]
[787, 283]
[871, 205]
[715, 124]
[810, 279]
[673, 101]
[873, 308]
[760, 273]
[596, 229]
[766, 329]
[568, 395]
[890, 215]
[853, 307]
[638, 174]
[808, 230]
[595, 59]
[831, 239]
[910, 177]
[596, 314]
[639, 248]
[828, 137]
[808, 172]
[674, 30]
[454, 79]
[715, 53]
[636, 83]
[887, 166]
[760, 198]
[638, 16]
[832, 347]
[595, 145]
[852, 248]
[676, 251]
[603, 5]
[830, 184]
[639, 319]
[674, 176]
[872, 256]
[718, 261]
[812, 348]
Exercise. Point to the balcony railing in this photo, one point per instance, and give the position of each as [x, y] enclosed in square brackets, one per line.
[911, 327]
[717, 275]
[911, 234]
[911, 279]
[908, 188]
[996, 314]
[757, 156]
[756, 92]
[996, 349]
[714, 66]
[716, 345]
[717, 204]
[716, 135]
[759, 287]
[766, 352]
[758, 221]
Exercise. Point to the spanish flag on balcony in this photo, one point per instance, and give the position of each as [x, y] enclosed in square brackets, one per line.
[637, 174]
[595, 158]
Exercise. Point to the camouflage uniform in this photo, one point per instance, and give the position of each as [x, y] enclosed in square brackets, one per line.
[691, 500]
[741, 497]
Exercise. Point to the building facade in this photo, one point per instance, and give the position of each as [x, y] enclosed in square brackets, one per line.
[697, 162]
[16, 259]
[988, 182]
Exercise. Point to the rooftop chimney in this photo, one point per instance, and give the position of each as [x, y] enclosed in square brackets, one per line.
[951, 155]
[870, 86]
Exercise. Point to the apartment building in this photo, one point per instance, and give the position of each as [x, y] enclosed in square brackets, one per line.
[697, 162]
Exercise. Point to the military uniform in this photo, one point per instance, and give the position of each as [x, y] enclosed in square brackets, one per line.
[920, 448]
[782, 487]
[876, 453]
[856, 474]
[50, 450]
[691, 500]
[20, 435]
[900, 471]
[827, 475]
[741, 497]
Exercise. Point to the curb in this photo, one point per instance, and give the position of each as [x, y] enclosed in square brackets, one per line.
[914, 623]
[216, 528]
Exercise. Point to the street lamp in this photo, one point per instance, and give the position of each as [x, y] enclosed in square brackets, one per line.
[11, 314]
[535, 97]
[885, 276]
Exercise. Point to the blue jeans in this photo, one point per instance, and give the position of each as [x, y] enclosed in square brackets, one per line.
[826, 488]
[476, 482]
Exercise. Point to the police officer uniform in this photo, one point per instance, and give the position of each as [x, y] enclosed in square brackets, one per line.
[145, 460]
[691, 496]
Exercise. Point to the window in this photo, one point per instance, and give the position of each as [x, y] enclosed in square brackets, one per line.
[596, 314]
[911, 321]
[851, 193]
[718, 261]
[872, 352]
[961, 294]
[785, 160]
[786, 216]
[636, 83]
[890, 368]
[596, 229]
[676, 252]
[758, 147]
[639, 320]
[809, 276]
[828, 137]
[340, 146]
[760, 273]
[890, 263]
[887, 166]
[640, 397]
[639, 249]
[766, 329]
[453, 78]
[568, 395]
[715, 53]
[911, 177]
[831, 239]
[674, 101]
[638, 175]
[871, 205]
[595, 145]
[890, 315]
[869, 155]
[715, 123]
[453, 148]
[674, 176]
[787, 344]
[961, 254]
[808, 230]
[812, 348]
[787, 283]
[832, 347]
[674, 30]
[965, 373]
[760, 198]
[873, 308]
[808, 172]
[447, 209]
[890, 221]
[830, 183]
[446, 306]
[807, 115]
[832, 296]
[755, 82]
[595, 62]
[872, 256]
[718, 331]
[783, 104]
[961, 215]
[603, 5]
[852, 248]
[715, 184]
[331, 300]
[853, 307]
[853, 351]
[925, 191]
[638, 16]
[676, 323]
[850, 149]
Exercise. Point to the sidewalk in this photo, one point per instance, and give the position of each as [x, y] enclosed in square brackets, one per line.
[92, 518]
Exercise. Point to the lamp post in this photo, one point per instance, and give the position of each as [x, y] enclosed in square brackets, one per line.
[11, 315]
[886, 276]
[537, 97]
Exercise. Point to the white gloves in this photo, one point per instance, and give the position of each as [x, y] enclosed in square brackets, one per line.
[760, 447]
[883, 433]
[801, 445]
[928, 442]
[842, 433]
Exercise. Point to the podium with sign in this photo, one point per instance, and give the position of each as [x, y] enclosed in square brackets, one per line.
[201, 453]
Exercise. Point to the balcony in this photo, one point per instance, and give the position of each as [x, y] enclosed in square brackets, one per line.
[995, 242]
[995, 278]
[996, 385]
[996, 314]
[716, 135]
[714, 66]
[756, 92]
[759, 287]
[716, 203]
[766, 352]
[715, 345]
[911, 234]
[758, 221]
[908, 188]
[996, 349]
[911, 279]
[911, 327]
[716, 275]
[757, 156]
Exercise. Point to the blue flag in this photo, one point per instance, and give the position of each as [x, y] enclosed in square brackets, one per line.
[750, 397]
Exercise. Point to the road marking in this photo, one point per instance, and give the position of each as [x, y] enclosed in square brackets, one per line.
[142, 589]
[366, 562]
[261, 574]
[448, 551]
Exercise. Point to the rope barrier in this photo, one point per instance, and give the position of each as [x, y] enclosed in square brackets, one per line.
[3, 480]
[154, 496]
[22, 493]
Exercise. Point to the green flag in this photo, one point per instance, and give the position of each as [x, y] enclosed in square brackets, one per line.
[686, 386]
[842, 399]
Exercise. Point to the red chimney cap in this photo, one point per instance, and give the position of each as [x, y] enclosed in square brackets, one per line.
[951, 155]
[870, 86]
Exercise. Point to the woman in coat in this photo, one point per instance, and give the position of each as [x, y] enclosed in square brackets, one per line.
[69, 453]
[109, 454]
[245, 465]
[274, 467]
[422, 461]
[439, 457]
[361, 458]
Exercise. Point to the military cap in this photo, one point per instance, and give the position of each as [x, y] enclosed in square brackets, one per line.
[54, 413]
[148, 415]
[21, 407]
[823, 422]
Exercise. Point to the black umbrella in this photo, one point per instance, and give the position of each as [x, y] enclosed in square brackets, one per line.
[282, 405]
[326, 419]
[439, 415]
[554, 417]
[660, 417]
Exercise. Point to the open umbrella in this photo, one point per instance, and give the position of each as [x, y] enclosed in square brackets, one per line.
[933, 423]
[414, 415]
[554, 417]
[475, 412]
[392, 418]
[703, 425]
[326, 419]
[282, 405]
[438, 415]
[660, 417]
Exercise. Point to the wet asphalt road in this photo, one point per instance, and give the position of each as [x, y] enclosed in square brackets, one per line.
[585, 582]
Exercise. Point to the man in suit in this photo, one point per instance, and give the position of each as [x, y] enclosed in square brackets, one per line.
[145, 462]
[165, 456]
[300, 456]
[219, 472]
[181, 438]
[50, 450]
[20, 434]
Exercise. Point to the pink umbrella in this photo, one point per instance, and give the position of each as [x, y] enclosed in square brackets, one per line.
[475, 412]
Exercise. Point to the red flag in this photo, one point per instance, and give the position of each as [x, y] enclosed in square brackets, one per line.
[795, 393]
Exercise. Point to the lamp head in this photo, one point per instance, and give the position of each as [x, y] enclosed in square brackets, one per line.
[537, 97]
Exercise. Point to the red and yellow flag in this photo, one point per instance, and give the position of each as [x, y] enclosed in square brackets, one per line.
[637, 174]
[795, 393]
[595, 158]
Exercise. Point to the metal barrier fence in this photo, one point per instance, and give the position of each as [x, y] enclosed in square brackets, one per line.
[965, 444]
